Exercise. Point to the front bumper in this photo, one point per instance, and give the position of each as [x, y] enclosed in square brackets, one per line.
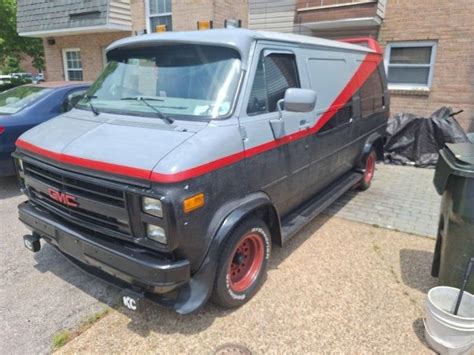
[136, 266]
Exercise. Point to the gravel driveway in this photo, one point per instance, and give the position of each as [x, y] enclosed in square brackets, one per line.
[40, 293]
[338, 287]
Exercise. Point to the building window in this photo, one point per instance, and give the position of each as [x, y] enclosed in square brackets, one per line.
[72, 64]
[410, 65]
[159, 13]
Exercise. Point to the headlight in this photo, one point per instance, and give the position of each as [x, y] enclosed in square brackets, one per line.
[152, 206]
[156, 233]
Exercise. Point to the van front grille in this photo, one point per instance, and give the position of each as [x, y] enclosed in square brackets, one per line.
[96, 207]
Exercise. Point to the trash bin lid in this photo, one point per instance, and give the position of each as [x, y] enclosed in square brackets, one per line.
[464, 154]
[454, 159]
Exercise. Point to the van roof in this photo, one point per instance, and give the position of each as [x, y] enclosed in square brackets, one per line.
[239, 39]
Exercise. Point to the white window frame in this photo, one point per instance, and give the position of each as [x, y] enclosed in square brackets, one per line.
[431, 65]
[149, 15]
[65, 67]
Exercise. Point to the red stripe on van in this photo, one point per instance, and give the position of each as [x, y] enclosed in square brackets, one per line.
[367, 67]
[85, 163]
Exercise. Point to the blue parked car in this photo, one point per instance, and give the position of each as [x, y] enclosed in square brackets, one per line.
[26, 106]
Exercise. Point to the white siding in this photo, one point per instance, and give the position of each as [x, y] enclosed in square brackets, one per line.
[381, 6]
[277, 15]
[119, 12]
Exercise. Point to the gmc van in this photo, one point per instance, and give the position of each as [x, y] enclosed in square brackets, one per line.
[195, 152]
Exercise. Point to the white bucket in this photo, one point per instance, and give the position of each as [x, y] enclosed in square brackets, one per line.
[445, 332]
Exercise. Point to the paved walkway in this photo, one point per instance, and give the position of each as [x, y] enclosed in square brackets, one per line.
[401, 198]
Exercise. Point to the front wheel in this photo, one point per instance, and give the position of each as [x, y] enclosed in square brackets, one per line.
[369, 170]
[242, 264]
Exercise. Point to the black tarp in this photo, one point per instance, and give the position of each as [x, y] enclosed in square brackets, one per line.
[414, 140]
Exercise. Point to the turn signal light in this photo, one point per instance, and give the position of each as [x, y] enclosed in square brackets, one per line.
[204, 25]
[2, 129]
[193, 203]
[160, 28]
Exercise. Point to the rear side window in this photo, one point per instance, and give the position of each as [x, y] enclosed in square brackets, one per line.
[371, 94]
[342, 116]
[275, 73]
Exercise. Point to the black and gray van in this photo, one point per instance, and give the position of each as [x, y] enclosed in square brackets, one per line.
[194, 153]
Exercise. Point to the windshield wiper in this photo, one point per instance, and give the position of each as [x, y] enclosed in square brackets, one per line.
[159, 114]
[149, 98]
[93, 109]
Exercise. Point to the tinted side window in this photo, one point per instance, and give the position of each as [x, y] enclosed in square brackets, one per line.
[281, 74]
[275, 73]
[258, 95]
[371, 94]
[341, 117]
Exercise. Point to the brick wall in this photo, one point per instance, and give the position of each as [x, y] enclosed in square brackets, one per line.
[338, 13]
[137, 8]
[450, 24]
[226, 9]
[186, 13]
[91, 53]
[26, 65]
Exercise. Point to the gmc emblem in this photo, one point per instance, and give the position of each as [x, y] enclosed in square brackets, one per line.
[63, 198]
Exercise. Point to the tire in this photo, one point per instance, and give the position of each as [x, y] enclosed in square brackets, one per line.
[369, 170]
[237, 282]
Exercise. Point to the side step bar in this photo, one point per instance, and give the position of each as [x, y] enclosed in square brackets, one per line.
[299, 218]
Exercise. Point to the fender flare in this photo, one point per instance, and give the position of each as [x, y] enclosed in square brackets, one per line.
[369, 143]
[198, 290]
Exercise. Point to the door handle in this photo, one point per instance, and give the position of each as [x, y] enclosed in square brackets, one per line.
[304, 125]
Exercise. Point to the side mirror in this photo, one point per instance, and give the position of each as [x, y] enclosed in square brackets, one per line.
[299, 100]
[295, 100]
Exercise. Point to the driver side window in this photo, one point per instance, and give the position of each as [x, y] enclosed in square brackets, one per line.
[275, 73]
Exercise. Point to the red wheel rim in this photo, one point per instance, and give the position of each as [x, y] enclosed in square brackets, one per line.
[247, 260]
[369, 168]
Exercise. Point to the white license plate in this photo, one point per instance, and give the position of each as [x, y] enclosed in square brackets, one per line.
[131, 300]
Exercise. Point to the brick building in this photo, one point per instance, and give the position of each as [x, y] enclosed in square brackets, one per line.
[76, 33]
[429, 45]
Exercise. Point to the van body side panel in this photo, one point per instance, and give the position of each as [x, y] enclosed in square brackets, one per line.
[329, 73]
[308, 157]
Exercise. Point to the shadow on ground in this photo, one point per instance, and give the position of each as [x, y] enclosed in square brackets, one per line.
[49, 259]
[9, 187]
[419, 329]
[155, 318]
[416, 269]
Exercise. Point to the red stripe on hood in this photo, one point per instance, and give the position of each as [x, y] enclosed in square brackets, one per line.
[367, 67]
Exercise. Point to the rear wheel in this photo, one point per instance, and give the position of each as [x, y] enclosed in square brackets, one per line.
[369, 170]
[242, 264]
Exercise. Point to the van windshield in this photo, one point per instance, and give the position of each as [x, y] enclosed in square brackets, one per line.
[192, 81]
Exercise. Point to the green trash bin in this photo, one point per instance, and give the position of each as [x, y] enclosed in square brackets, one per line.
[454, 180]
